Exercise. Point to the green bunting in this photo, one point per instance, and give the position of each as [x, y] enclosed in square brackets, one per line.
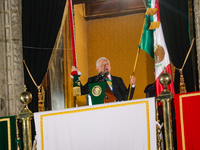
[146, 43]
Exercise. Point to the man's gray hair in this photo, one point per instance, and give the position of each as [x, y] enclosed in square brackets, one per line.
[97, 62]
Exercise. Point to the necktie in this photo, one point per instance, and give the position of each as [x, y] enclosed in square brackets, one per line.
[109, 82]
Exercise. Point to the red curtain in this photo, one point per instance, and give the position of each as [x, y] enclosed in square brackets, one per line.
[187, 112]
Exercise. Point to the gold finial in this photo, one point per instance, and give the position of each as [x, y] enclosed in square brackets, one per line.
[165, 78]
[164, 70]
[25, 88]
[25, 97]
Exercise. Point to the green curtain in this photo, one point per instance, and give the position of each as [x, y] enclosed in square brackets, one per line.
[8, 133]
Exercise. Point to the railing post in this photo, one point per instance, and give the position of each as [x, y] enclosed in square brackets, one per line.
[166, 98]
[25, 115]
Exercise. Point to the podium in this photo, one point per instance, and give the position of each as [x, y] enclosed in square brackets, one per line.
[128, 125]
[100, 94]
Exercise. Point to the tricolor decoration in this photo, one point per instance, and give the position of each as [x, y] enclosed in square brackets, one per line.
[76, 81]
[161, 55]
[153, 43]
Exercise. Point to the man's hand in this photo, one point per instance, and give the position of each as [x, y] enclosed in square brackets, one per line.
[132, 80]
[74, 69]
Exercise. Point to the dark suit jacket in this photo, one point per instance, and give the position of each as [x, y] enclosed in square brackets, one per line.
[119, 89]
[150, 90]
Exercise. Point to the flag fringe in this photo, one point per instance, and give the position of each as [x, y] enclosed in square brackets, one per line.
[151, 11]
[76, 91]
[154, 25]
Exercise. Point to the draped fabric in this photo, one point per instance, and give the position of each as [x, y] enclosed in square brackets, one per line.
[41, 20]
[187, 123]
[160, 48]
[174, 18]
[128, 125]
[147, 36]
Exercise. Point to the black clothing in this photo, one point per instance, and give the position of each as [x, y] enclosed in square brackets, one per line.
[119, 89]
[150, 90]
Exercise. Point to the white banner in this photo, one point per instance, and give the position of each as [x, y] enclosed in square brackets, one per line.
[128, 125]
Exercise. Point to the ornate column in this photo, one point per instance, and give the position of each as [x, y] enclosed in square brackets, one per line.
[11, 67]
[25, 115]
[166, 98]
[197, 27]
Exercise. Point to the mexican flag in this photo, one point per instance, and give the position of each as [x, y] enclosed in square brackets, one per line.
[153, 42]
[146, 43]
[161, 55]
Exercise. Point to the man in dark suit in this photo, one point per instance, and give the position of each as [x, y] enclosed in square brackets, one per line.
[117, 85]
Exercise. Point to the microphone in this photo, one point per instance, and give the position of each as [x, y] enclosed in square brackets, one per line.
[100, 74]
[100, 77]
[106, 74]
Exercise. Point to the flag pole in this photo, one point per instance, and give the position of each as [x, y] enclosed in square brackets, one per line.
[149, 11]
[72, 33]
[76, 81]
[136, 60]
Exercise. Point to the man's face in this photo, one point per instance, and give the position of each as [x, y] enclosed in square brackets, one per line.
[103, 66]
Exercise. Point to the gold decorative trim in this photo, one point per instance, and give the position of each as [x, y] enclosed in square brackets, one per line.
[154, 25]
[148, 125]
[9, 133]
[181, 116]
[151, 11]
[97, 108]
